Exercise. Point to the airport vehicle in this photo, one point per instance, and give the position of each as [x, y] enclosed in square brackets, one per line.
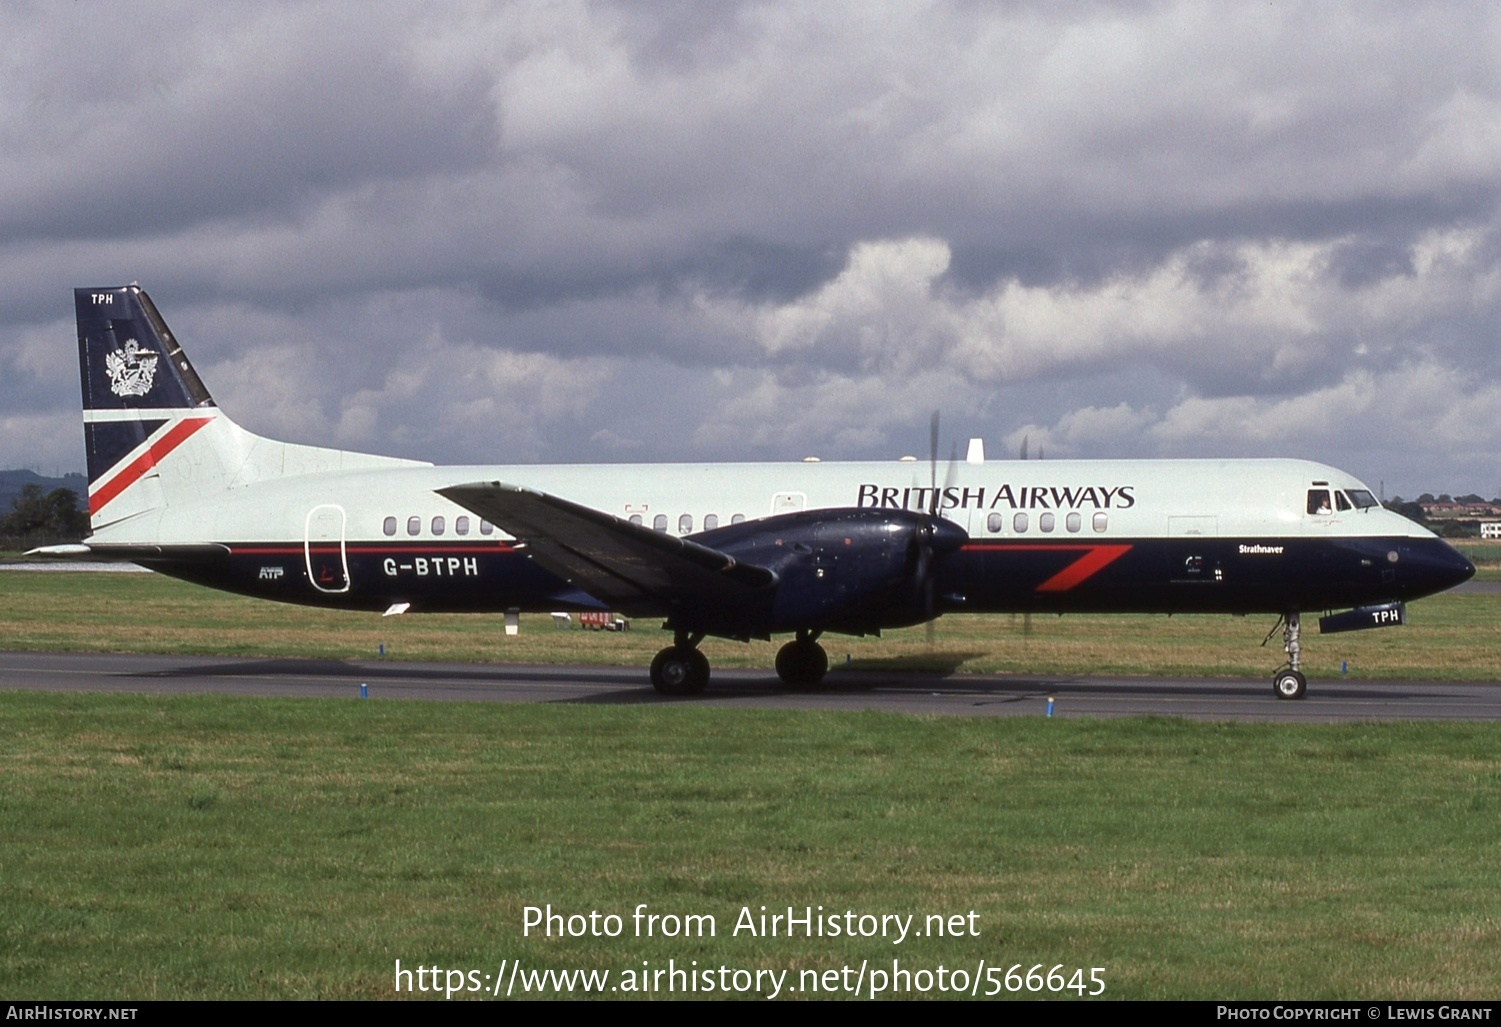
[740, 551]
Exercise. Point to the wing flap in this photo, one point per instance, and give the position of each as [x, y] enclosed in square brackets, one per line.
[628, 566]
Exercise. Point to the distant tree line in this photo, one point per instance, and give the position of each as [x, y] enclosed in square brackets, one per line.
[1409, 508]
[40, 518]
[1444, 497]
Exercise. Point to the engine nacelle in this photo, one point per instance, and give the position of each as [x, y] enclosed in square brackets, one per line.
[853, 571]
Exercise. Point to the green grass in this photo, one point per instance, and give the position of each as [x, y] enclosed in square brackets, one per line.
[205, 847]
[208, 847]
[1448, 637]
[1486, 556]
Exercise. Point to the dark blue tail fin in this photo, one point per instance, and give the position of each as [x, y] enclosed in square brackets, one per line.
[141, 397]
[128, 356]
[135, 376]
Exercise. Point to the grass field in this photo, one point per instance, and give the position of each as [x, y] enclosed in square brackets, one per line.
[204, 847]
[208, 847]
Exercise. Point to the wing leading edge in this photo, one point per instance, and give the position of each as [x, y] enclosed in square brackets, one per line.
[631, 568]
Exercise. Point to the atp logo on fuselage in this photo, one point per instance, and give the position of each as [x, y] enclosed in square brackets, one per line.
[131, 369]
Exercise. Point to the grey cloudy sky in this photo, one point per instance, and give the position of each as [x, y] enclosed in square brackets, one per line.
[492, 232]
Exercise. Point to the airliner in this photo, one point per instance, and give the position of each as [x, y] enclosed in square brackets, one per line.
[737, 551]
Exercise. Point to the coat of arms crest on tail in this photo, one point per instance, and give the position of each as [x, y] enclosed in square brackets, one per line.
[131, 369]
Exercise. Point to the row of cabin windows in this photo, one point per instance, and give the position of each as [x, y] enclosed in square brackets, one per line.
[1046, 521]
[996, 523]
[438, 525]
[461, 524]
[685, 522]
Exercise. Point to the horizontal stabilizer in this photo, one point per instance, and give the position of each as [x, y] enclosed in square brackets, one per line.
[132, 552]
[627, 566]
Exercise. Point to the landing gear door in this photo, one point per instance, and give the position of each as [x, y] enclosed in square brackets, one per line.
[324, 551]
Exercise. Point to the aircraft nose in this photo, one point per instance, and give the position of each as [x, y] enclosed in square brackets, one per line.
[1433, 565]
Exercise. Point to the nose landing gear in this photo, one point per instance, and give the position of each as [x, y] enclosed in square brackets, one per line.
[1289, 682]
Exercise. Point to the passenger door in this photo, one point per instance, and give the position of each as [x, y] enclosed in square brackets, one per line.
[324, 551]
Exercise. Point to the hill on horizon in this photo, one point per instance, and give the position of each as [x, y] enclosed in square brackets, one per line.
[11, 483]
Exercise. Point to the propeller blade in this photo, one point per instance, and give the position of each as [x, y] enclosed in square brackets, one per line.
[933, 463]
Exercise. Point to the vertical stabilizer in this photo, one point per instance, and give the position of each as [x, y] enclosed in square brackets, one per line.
[128, 356]
[142, 404]
[154, 437]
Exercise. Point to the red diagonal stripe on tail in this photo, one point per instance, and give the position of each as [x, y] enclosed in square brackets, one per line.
[155, 453]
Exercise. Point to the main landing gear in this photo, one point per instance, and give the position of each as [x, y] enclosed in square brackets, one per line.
[681, 669]
[802, 663]
[1289, 682]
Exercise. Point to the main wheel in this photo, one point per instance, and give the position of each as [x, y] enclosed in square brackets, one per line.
[679, 670]
[802, 663]
[700, 668]
[1289, 684]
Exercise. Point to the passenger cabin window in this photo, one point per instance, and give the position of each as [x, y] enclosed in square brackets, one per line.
[486, 528]
[389, 526]
[461, 526]
[414, 525]
[1074, 521]
[438, 525]
[659, 522]
[737, 519]
[995, 523]
[1019, 523]
[1318, 501]
[1045, 522]
[636, 520]
[685, 524]
[1101, 521]
[711, 521]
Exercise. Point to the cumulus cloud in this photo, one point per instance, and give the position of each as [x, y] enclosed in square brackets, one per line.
[762, 230]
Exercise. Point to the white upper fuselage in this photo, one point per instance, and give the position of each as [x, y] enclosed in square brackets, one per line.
[1036, 500]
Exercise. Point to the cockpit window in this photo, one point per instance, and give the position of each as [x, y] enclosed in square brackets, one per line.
[1318, 501]
[1362, 499]
[1341, 502]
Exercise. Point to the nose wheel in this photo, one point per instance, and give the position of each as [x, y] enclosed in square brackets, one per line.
[1289, 682]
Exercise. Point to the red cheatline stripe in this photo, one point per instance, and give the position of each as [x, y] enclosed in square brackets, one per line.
[1095, 559]
[327, 546]
[155, 453]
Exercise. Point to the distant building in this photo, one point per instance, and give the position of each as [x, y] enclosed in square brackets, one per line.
[1440, 510]
[1490, 529]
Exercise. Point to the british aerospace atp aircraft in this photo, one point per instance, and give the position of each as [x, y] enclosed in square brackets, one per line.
[733, 551]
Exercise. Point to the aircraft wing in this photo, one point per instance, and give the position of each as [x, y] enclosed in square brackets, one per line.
[628, 566]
